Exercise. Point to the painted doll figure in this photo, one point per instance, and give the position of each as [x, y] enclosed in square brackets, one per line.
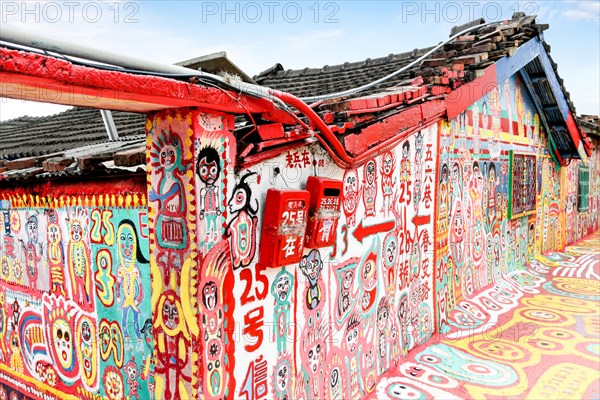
[405, 162]
[56, 255]
[351, 192]
[171, 231]
[78, 260]
[388, 164]
[242, 228]
[370, 188]
[282, 291]
[208, 169]
[33, 249]
[311, 266]
[130, 291]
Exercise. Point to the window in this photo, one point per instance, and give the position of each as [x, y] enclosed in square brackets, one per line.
[522, 193]
[584, 189]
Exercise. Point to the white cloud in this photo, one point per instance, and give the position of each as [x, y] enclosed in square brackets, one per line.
[584, 10]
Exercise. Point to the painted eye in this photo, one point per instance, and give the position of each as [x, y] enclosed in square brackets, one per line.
[59, 334]
[66, 336]
[163, 154]
[213, 170]
[171, 153]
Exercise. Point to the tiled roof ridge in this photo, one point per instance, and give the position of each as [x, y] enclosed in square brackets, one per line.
[35, 119]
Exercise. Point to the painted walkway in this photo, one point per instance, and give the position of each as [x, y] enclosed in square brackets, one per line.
[535, 335]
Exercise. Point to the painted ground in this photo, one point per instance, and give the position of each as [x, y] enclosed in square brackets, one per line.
[534, 335]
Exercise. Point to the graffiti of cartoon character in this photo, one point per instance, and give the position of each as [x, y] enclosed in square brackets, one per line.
[59, 321]
[419, 152]
[132, 373]
[352, 358]
[370, 188]
[241, 229]
[311, 267]
[129, 288]
[87, 351]
[351, 192]
[56, 254]
[520, 108]
[282, 374]
[31, 249]
[282, 291]
[386, 169]
[171, 228]
[78, 260]
[382, 335]
[405, 162]
[208, 169]
[346, 297]
[172, 344]
[492, 184]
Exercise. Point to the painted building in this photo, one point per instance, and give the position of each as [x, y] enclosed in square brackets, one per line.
[235, 272]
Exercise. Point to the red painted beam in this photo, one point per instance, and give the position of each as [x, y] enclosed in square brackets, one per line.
[463, 97]
[30, 76]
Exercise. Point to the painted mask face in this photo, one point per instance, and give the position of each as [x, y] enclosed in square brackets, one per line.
[209, 295]
[458, 222]
[455, 172]
[370, 172]
[32, 231]
[208, 171]
[352, 339]
[347, 281]
[63, 343]
[382, 316]
[53, 233]
[76, 232]
[132, 372]
[168, 156]
[388, 163]
[312, 268]
[334, 378]
[282, 377]
[170, 314]
[126, 242]
[282, 288]
[350, 190]
[314, 358]
[238, 200]
[86, 332]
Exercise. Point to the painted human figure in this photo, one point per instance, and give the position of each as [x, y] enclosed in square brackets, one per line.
[78, 260]
[351, 192]
[370, 188]
[241, 229]
[383, 345]
[418, 152]
[208, 168]
[56, 255]
[386, 169]
[132, 373]
[171, 227]
[353, 350]
[311, 267]
[32, 249]
[282, 291]
[492, 184]
[129, 288]
[172, 345]
[405, 162]
[520, 109]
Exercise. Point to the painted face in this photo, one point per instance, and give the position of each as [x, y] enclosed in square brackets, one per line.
[86, 332]
[170, 314]
[388, 163]
[347, 281]
[53, 233]
[168, 156]
[209, 295]
[132, 372]
[334, 378]
[382, 316]
[208, 171]
[352, 339]
[314, 358]
[127, 243]
[458, 222]
[282, 287]
[350, 190]
[455, 172]
[370, 172]
[32, 226]
[76, 232]
[238, 200]
[282, 377]
[63, 342]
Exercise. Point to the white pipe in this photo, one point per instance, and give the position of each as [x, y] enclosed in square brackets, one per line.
[109, 125]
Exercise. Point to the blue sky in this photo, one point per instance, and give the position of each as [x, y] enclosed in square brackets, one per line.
[298, 34]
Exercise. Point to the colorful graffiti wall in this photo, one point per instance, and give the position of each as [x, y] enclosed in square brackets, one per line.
[191, 264]
[328, 325]
[477, 241]
[75, 316]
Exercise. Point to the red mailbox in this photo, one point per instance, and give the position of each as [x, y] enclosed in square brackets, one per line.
[284, 225]
[324, 211]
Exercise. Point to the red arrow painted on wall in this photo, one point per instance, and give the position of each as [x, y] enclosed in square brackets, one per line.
[419, 220]
[362, 232]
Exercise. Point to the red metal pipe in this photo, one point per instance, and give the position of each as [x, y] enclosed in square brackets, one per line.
[331, 143]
